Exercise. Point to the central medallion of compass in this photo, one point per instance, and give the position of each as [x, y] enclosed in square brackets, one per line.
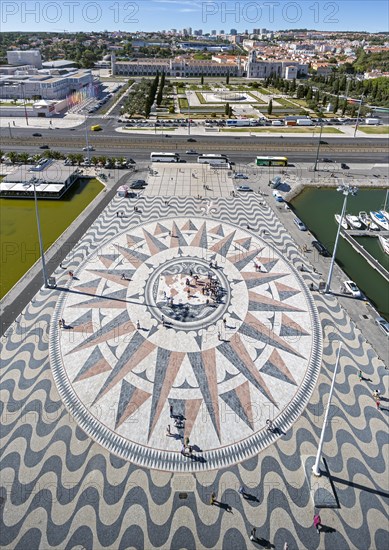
[188, 292]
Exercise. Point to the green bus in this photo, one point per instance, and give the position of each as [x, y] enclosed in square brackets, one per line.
[271, 161]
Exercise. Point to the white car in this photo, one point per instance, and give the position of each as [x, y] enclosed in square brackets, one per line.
[244, 188]
[89, 148]
[384, 325]
[350, 287]
[191, 152]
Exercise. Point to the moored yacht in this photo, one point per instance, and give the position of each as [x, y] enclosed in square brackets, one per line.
[344, 223]
[354, 222]
[380, 219]
[385, 213]
[366, 220]
[384, 242]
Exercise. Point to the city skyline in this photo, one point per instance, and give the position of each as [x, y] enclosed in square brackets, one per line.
[156, 15]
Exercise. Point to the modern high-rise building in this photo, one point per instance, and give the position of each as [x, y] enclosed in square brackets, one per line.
[234, 32]
[213, 32]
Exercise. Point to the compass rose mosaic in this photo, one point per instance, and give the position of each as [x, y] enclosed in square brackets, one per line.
[188, 323]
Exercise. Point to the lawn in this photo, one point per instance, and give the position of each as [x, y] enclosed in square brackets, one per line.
[285, 103]
[374, 129]
[257, 99]
[156, 129]
[283, 130]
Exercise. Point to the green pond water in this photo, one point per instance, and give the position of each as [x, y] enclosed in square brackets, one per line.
[18, 230]
[316, 207]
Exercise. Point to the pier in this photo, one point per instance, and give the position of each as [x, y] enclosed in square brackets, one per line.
[367, 233]
[349, 236]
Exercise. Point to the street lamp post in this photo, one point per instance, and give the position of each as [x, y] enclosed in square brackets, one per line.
[359, 110]
[86, 139]
[318, 148]
[345, 188]
[24, 102]
[38, 223]
[316, 466]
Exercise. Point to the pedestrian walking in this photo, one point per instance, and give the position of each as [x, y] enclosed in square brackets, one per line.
[171, 411]
[225, 322]
[61, 266]
[123, 276]
[242, 491]
[186, 441]
[360, 375]
[377, 404]
[269, 425]
[317, 522]
[286, 546]
[71, 274]
[60, 323]
[253, 534]
[138, 325]
[163, 320]
[376, 393]
[219, 336]
[168, 432]
[212, 499]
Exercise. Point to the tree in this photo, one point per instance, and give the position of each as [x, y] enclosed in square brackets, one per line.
[336, 104]
[270, 107]
[344, 106]
[227, 109]
[228, 78]
[202, 79]
[309, 94]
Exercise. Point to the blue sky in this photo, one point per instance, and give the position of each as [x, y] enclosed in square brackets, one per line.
[151, 15]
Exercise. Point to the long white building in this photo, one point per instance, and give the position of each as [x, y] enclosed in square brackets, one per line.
[182, 67]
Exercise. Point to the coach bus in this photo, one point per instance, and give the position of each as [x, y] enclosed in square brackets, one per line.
[211, 158]
[271, 161]
[165, 157]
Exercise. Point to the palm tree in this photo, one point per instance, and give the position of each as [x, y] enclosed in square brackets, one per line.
[78, 157]
[13, 157]
[94, 160]
[23, 158]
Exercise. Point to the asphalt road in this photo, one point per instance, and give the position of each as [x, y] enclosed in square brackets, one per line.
[240, 148]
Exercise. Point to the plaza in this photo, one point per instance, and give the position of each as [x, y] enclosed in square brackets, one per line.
[189, 311]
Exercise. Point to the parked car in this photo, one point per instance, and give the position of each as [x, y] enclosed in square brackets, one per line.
[349, 287]
[325, 159]
[191, 140]
[275, 182]
[383, 325]
[89, 148]
[136, 186]
[36, 135]
[241, 177]
[243, 188]
[44, 147]
[344, 166]
[320, 248]
[191, 152]
[301, 225]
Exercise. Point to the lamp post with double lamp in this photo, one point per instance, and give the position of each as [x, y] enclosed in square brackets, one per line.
[34, 182]
[346, 189]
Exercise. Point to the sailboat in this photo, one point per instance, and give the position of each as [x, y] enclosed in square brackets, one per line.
[380, 219]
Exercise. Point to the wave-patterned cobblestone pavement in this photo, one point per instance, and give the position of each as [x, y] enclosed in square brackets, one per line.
[59, 489]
